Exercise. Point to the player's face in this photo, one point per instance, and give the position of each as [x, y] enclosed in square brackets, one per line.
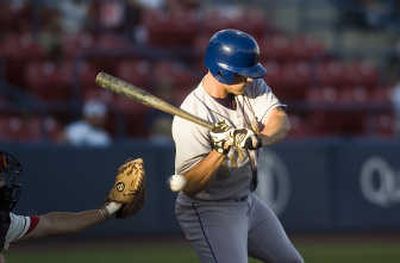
[239, 85]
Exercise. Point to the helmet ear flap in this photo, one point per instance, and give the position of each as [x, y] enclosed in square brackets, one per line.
[225, 76]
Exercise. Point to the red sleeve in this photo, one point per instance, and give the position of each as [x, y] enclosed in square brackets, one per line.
[34, 221]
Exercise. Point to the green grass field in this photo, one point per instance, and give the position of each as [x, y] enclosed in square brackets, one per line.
[157, 251]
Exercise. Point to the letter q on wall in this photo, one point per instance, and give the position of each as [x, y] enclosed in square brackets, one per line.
[379, 182]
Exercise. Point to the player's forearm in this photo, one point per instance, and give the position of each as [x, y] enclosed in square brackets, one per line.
[57, 223]
[199, 176]
[275, 128]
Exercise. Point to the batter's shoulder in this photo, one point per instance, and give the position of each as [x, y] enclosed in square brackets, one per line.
[258, 87]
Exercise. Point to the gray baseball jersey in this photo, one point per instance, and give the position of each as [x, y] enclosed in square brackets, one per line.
[225, 222]
[193, 141]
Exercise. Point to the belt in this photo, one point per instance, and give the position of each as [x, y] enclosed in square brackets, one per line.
[241, 199]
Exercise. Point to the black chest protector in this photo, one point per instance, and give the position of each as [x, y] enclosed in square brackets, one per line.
[4, 225]
[10, 170]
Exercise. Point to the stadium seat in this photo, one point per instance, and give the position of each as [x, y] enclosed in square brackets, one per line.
[86, 75]
[233, 17]
[137, 72]
[174, 73]
[50, 81]
[17, 50]
[380, 94]
[331, 74]
[296, 78]
[21, 129]
[380, 125]
[112, 42]
[169, 31]
[320, 95]
[52, 129]
[274, 74]
[277, 48]
[130, 115]
[305, 48]
[75, 44]
[362, 73]
[353, 94]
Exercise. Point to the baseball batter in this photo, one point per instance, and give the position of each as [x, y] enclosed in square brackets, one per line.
[217, 209]
[14, 228]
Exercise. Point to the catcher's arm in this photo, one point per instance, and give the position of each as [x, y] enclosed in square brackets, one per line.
[59, 223]
[125, 198]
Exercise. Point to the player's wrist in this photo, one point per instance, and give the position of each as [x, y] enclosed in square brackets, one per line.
[221, 148]
[110, 208]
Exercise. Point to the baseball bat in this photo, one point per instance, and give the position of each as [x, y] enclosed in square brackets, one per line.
[137, 94]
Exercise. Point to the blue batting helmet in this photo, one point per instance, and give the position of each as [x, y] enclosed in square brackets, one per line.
[232, 52]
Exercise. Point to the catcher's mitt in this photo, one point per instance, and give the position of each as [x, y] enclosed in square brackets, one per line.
[129, 188]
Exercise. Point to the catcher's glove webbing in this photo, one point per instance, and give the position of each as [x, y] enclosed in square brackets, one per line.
[129, 188]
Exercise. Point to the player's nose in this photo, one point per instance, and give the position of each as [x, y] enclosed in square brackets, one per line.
[249, 80]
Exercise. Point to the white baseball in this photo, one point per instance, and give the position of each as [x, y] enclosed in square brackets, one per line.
[177, 182]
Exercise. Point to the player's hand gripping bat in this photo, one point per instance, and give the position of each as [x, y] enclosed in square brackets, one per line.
[137, 94]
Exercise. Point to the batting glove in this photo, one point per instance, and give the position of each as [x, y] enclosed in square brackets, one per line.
[221, 137]
[245, 138]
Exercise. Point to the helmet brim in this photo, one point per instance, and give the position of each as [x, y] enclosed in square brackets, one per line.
[255, 72]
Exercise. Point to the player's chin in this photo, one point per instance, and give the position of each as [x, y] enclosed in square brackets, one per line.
[238, 92]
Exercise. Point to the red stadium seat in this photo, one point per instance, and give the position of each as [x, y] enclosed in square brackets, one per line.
[52, 129]
[362, 73]
[322, 95]
[175, 74]
[165, 30]
[274, 74]
[306, 48]
[381, 125]
[17, 50]
[353, 94]
[131, 114]
[86, 75]
[21, 129]
[50, 81]
[217, 19]
[295, 79]
[331, 74]
[21, 47]
[73, 45]
[276, 48]
[112, 42]
[135, 71]
[380, 94]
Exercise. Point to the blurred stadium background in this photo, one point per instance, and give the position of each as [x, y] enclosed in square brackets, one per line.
[334, 183]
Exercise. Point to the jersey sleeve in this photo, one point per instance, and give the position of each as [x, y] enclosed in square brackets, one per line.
[263, 100]
[19, 227]
[191, 142]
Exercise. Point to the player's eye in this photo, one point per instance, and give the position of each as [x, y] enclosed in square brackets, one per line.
[239, 79]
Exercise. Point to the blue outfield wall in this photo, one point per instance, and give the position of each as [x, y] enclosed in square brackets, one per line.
[313, 185]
